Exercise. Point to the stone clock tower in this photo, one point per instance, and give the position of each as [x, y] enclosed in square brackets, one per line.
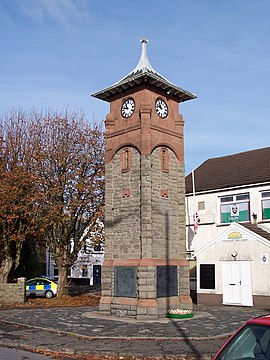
[145, 271]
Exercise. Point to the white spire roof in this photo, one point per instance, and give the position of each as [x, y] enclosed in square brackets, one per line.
[144, 63]
[142, 74]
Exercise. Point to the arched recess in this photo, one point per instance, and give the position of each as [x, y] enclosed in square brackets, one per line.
[111, 156]
[168, 146]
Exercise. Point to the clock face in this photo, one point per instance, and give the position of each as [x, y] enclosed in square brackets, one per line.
[161, 108]
[128, 108]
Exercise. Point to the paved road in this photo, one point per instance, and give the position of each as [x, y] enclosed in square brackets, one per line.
[11, 354]
[83, 330]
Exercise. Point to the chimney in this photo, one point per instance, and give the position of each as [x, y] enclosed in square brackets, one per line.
[254, 218]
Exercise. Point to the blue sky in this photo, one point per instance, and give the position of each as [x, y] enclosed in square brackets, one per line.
[55, 53]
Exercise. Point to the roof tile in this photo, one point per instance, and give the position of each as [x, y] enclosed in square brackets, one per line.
[245, 168]
[257, 230]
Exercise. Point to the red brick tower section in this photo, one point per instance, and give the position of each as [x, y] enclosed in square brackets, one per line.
[145, 271]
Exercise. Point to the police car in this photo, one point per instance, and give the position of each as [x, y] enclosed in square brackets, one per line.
[41, 287]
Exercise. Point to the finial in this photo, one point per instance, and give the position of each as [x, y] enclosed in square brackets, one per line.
[143, 63]
[143, 40]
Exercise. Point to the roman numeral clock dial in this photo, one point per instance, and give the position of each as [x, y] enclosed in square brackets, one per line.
[128, 108]
[161, 108]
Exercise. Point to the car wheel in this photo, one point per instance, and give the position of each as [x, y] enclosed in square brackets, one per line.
[49, 294]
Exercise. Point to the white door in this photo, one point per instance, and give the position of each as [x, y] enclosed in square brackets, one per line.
[237, 287]
[231, 282]
[246, 279]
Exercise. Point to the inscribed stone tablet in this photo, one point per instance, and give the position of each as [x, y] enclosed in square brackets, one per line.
[125, 281]
[166, 281]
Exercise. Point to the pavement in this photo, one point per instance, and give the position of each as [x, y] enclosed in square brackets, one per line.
[14, 354]
[83, 331]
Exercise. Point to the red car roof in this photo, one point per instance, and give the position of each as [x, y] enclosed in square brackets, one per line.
[262, 320]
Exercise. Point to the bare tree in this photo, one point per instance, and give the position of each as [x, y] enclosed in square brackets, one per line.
[68, 159]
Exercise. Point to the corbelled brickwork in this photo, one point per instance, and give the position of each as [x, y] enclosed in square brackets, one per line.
[13, 292]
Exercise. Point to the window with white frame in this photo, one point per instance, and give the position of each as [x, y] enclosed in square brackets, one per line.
[265, 195]
[234, 208]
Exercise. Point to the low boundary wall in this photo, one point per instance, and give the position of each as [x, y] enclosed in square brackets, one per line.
[13, 292]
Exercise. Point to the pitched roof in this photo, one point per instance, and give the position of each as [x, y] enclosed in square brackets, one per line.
[245, 168]
[254, 228]
[257, 230]
[144, 72]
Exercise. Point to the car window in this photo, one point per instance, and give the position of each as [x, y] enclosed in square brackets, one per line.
[31, 282]
[38, 282]
[265, 342]
[251, 342]
[46, 282]
[43, 282]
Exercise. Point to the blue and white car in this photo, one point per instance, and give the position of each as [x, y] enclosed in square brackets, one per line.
[41, 287]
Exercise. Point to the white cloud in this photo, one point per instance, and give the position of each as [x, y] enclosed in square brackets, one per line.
[58, 11]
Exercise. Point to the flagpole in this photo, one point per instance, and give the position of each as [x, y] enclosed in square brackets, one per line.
[194, 204]
[194, 192]
[193, 184]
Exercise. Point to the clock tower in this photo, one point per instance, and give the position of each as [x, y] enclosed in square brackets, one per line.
[145, 272]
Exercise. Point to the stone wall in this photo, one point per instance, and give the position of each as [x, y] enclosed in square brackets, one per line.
[122, 208]
[145, 229]
[145, 208]
[168, 208]
[13, 292]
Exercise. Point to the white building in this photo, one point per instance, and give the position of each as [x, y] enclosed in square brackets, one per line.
[87, 268]
[230, 251]
[85, 271]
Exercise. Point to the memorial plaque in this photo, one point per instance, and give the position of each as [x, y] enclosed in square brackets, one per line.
[166, 281]
[125, 281]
